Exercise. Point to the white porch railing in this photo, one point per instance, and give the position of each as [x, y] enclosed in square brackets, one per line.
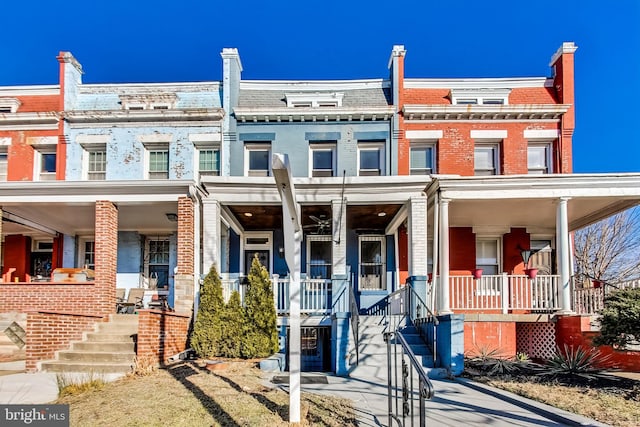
[590, 300]
[315, 297]
[504, 292]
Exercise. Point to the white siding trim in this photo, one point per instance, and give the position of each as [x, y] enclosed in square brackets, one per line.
[423, 134]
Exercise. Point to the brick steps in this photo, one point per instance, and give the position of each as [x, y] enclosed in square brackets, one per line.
[110, 348]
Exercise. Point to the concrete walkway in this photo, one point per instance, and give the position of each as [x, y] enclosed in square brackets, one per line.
[456, 403]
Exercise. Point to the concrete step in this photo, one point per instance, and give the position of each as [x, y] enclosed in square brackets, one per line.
[123, 318]
[117, 347]
[105, 337]
[95, 357]
[93, 368]
[117, 328]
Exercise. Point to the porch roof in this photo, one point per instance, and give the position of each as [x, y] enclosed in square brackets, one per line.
[530, 200]
[68, 207]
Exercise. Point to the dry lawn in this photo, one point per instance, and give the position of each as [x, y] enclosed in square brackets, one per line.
[186, 394]
[616, 406]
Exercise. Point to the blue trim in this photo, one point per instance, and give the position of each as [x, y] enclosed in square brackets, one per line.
[322, 136]
[257, 136]
[375, 135]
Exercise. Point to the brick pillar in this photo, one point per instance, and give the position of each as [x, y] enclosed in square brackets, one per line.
[184, 277]
[106, 257]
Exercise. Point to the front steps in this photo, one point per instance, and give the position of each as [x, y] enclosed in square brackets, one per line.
[373, 350]
[110, 349]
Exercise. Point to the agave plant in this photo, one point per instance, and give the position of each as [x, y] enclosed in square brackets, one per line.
[575, 362]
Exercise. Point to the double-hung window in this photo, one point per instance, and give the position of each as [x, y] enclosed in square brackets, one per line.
[486, 159]
[97, 167]
[209, 161]
[323, 159]
[319, 260]
[158, 163]
[371, 158]
[3, 163]
[487, 255]
[45, 164]
[422, 158]
[257, 159]
[539, 158]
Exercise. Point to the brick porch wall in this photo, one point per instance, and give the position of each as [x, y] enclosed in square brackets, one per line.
[78, 298]
[161, 334]
[50, 331]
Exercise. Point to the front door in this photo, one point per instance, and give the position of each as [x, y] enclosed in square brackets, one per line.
[263, 256]
[372, 267]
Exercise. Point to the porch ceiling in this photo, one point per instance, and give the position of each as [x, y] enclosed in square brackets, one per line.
[79, 218]
[359, 217]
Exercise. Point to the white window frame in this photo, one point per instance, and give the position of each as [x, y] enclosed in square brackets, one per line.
[317, 238]
[86, 160]
[418, 144]
[322, 146]
[250, 147]
[38, 164]
[267, 246]
[82, 242]
[495, 96]
[314, 99]
[11, 104]
[159, 147]
[383, 250]
[371, 146]
[548, 147]
[4, 162]
[495, 145]
[498, 241]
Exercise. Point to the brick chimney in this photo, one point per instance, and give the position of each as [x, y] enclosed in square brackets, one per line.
[563, 81]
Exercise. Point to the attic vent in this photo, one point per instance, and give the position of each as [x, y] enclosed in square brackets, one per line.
[314, 99]
[480, 96]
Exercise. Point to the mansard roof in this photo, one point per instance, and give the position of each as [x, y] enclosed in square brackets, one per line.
[359, 100]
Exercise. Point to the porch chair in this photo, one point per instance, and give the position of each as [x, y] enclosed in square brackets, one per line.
[120, 293]
[133, 302]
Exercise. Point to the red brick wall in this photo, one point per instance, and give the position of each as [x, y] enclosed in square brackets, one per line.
[511, 242]
[69, 297]
[38, 103]
[462, 249]
[161, 334]
[50, 331]
[576, 331]
[185, 236]
[455, 150]
[500, 336]
[106, 257]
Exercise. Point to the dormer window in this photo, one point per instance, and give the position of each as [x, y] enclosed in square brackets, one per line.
[480, 96]
[9, 105]
[314, 99]
[148, 102]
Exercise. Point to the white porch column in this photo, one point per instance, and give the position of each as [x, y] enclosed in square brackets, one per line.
[562, 243]
[339, 227]
[210, 234]
[444, 307]
[418, 246]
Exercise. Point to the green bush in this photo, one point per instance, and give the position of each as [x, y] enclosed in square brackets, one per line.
[492, 362]
[620, 321]
[208, 328]
[261, 333]
[232, 318]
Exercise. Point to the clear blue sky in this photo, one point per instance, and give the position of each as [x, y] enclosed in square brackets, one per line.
[161, 41]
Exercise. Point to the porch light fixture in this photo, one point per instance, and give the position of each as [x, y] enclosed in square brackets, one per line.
[381, 214]
[172, 217]
[248, 214]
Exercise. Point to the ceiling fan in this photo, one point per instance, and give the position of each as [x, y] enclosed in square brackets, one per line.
[322, 225]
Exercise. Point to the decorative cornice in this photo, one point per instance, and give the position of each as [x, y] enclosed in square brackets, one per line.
[484, 112]
[304, 114]
[143, 116]
[27, 120]
[149, 88]
[29, 90]
[480, 83]
[567, 47]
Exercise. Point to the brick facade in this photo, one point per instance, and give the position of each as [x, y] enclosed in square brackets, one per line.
[50, 331]
[186, 235]
[161, 334]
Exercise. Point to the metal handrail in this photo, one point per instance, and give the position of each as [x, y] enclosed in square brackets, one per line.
[430, 315]
[425, 387]
[355, 320]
